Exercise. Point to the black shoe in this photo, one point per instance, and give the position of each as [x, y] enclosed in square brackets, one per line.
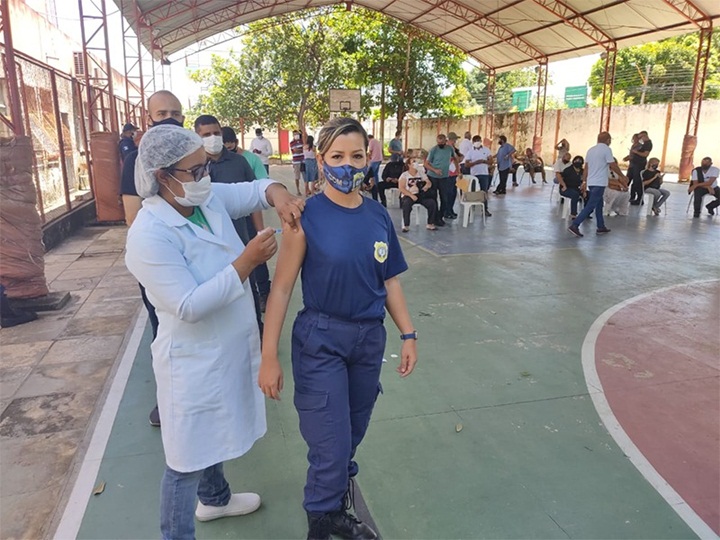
[440, 223]
[155, 417]
[17, 317]
[635, 203]
[318, 526]
[696, 215]
[573, 229]
[710, 209]
[602, 230]
[487, 214]
[450, 216]
[345, 525]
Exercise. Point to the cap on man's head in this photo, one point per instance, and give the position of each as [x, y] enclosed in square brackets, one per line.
[452, 136]
[129, 127]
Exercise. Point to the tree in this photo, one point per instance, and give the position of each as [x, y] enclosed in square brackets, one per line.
[420, 71]
[282, 73]
[660, 71]
[504, 83]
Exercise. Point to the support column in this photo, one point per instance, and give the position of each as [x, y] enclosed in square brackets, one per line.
[93, 27]
[610, 56]
[557, 134]
[696, 98]
[132, 55]
[490, 105]
[16, 119]
[540, 106]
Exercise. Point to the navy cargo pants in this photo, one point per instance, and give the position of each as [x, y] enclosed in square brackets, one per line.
[336, 368]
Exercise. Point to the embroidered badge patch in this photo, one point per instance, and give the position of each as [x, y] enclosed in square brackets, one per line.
[381, 252]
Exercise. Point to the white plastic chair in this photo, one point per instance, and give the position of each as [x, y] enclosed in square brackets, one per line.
[415, 212]
[392, 194]
[465, 185]
[702, 204]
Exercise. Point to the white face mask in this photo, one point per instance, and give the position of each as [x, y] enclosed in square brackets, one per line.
[420, 168]
[213, 144]
[196, 193]
[477, 145]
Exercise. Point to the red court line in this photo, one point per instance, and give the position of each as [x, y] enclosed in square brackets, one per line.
[658, 360]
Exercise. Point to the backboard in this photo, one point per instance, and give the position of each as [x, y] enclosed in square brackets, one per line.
[344, 100]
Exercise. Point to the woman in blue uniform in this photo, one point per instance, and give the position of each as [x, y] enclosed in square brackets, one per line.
[350, 259]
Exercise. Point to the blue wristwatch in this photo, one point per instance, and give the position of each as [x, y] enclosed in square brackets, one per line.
[412, 335]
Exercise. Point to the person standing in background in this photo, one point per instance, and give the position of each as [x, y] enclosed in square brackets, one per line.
[297, 148]
[261, 147]
[396, 147]
[464, 147]
[375, 157]
[127, 141]
[311, 168]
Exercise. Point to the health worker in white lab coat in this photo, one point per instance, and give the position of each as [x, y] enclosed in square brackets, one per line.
[184, 249]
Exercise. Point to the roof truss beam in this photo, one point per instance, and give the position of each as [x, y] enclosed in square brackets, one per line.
[491, 26]
[576, 20]
[691, 12]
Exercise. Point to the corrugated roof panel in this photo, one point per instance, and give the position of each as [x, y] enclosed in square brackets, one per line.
[526, 29]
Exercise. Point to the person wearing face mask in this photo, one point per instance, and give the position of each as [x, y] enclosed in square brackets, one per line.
[437, 165]
[478, 159]
[652, 179]
[297, 148]
[350, 258]
[464, 148]
[504, 157]
[638, 160]
[227, 167]
[163, 108]
[704, 181]
[561, 164]
[414, 186]
[230, 141]
[183, 247]
[570, 182]
[262, 148]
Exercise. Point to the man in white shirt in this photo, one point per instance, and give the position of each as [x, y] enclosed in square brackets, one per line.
[477, 160]
[262, 147]
[704, 181]
[465, 146]
[599, 161]
[561, 164]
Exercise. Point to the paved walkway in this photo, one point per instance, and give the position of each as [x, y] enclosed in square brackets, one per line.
[502, 310]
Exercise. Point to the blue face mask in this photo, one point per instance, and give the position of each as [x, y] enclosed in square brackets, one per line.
[345, 178]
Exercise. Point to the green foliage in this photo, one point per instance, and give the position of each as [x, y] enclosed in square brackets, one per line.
[284, 72]
[670, 64]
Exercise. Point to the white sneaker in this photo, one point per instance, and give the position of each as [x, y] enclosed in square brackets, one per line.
[239, 505]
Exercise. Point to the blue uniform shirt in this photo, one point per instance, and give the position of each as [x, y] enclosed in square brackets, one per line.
[503, 156]
[351, 252]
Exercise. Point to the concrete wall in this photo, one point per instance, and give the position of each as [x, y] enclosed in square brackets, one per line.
[580, 127]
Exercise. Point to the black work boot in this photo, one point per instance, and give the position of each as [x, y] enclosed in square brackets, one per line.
[345, 525]
[318, 526]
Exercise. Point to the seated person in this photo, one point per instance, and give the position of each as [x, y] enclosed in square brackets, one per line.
[652, 179]
[513, 170]
[616, 197]
[414, 187]
[390, 175]
[704, 180]
[563, 147]
[533, 163]
[561, 164]
[570, 182]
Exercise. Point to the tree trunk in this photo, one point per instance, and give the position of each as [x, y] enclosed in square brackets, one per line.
[402, 101]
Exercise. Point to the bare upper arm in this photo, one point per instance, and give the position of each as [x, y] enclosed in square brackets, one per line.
[290, 258]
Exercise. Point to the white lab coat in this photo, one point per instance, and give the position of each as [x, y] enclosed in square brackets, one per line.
[206, 355]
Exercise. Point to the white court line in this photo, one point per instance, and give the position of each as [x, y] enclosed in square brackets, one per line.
[77, 504]
[673, 498]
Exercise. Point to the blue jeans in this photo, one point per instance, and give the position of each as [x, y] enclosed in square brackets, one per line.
[594, 203]
[375, 171]
[574, 195]
[178, 493]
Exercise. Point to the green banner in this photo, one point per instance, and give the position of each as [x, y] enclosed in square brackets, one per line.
[576, 97]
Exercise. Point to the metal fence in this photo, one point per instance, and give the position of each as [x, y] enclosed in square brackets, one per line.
[54, 112]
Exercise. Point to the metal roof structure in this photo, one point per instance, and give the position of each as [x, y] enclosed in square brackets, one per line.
[499, 34]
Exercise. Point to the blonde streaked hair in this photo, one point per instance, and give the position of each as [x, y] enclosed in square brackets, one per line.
[336, 127]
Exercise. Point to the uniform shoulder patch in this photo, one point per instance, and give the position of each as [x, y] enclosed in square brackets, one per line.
[381, 252]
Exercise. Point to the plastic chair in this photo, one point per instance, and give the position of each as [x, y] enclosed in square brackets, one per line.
[465, 185]
[416, 212]
[702, 203]
[392, 194]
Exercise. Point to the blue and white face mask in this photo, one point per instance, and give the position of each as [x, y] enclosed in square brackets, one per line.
[344, 178]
